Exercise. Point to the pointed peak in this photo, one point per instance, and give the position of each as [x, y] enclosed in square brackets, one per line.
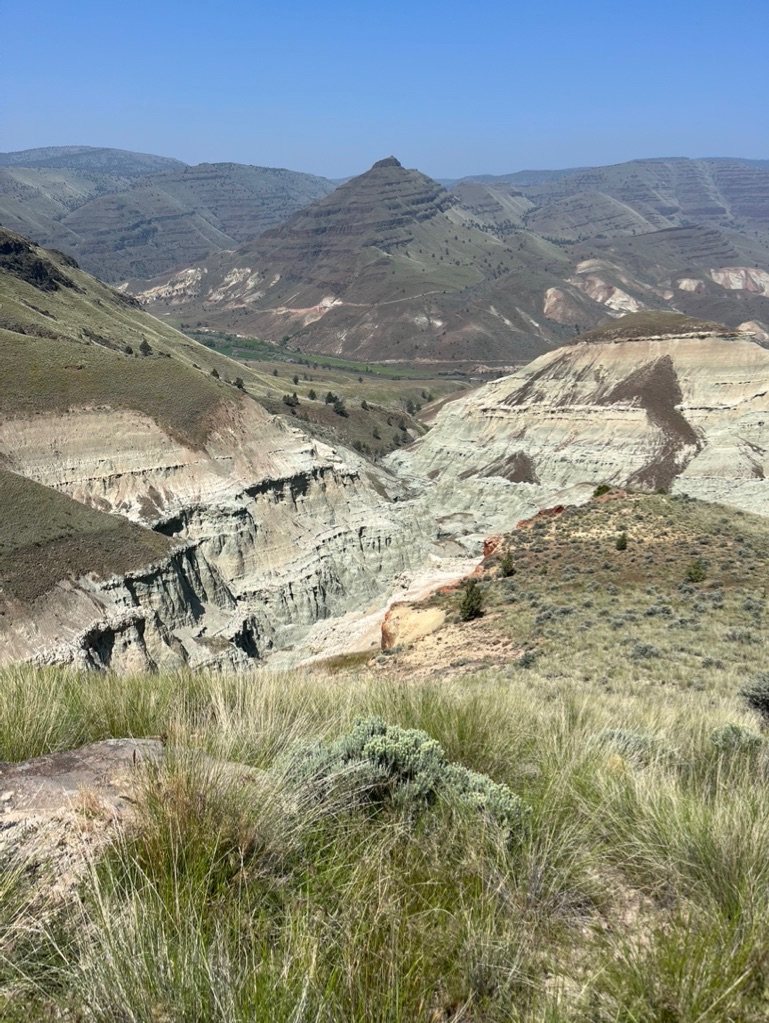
[389, 161]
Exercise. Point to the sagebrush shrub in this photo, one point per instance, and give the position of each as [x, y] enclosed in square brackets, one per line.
[755, 693]
[733, 738]
[402, 767]
[696, 571]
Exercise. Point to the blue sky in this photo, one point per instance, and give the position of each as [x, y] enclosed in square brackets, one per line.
[451, 88]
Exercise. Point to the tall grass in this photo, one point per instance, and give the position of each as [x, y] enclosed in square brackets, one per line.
[638, 890]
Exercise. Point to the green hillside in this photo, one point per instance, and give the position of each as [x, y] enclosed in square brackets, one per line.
[46, 537]
[66, 340]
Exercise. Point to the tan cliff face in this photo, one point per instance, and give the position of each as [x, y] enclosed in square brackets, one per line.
[689, 413]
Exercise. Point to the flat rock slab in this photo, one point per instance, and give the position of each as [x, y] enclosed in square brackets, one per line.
[57, 780]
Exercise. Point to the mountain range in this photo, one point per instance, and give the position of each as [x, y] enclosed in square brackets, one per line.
[126, 214]
[392, 266]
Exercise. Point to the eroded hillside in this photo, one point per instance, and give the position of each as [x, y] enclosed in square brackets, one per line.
[270, 529]
[652, 401]
[257, 537]
[393, 266]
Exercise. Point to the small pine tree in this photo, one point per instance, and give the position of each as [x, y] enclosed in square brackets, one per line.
[471, 605]
[215, 373]
[506, 566]
[296, 378]
[144, 347]
[311, 394]
[339, 407]
[696, 571]
[621, 542]
[239, 383]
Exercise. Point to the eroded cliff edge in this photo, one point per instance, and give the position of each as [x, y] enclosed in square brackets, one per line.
[269, 531]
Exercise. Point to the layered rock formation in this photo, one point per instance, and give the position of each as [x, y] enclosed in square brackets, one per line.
[392, 266]
[127, 214]
[270, 532]
[245, 530]
[686, 409]
[389, 266]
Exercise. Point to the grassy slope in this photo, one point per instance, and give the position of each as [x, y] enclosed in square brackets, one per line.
[45, 537]
[388, 391]
[574, 591]
[650, 323]
[64, 338]
[40, 187]
[636, 891]
[65, 341]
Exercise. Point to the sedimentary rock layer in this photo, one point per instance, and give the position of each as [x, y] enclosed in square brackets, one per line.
[689, 413]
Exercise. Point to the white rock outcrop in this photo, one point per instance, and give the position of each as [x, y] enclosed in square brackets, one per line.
[687, 413]
[275, 531]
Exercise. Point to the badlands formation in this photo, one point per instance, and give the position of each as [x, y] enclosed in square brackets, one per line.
[155, 515]
[271, 531]
[650, 402]
[245, 529]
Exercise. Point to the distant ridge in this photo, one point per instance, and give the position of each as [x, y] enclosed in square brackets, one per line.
[488, 272]
[120, 162]
[388, 266]
[127, 214]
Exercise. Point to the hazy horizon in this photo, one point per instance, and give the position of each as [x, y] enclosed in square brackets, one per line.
[361, 170]
[330, 90]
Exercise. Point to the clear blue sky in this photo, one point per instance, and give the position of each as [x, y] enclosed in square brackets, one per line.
[452, 88]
